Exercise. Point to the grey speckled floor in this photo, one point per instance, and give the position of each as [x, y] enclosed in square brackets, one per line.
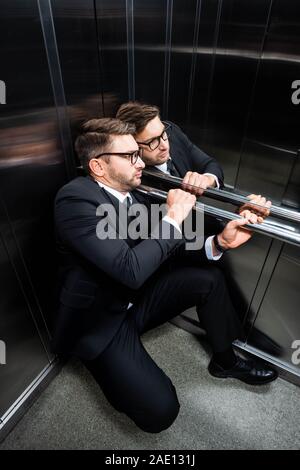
[72, 412]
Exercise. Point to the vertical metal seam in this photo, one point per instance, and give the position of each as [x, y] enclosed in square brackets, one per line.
[212, 70]
[168, 45]
[194, 60]
[46, 18]
[130, 49]
[253, 92]
[292, 168]
[99, 58]
[280, 250]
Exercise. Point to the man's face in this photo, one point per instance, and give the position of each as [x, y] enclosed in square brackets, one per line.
[118, 172]
[161, 154]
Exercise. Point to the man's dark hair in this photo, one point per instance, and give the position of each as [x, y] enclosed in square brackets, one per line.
[96, 137]
[138, 114]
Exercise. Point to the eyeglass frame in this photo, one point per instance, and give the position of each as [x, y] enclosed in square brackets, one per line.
[133, 159]
[159, 137]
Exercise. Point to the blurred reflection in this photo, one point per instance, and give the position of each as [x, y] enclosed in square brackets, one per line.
[30, 138]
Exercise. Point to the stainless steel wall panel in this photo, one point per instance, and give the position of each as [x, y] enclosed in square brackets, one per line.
[278, 316]
[25, 354]
[291, 196]
[264, 170]
[239, 43]
[76, 36]
[199, 100]
[184, 36]
[112, 42]
[32, 165]
[243, 268]
[274, 118]
[150, 21]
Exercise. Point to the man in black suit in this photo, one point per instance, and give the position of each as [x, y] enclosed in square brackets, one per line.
[166, 148]
[115, 287]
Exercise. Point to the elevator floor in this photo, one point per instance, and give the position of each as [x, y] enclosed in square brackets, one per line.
[72, 413]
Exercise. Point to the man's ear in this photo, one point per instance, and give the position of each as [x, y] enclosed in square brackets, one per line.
[97, 166]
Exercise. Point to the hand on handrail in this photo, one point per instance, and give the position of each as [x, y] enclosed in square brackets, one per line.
[257, 205]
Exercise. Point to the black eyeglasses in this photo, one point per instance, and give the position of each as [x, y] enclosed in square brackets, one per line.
[132, 156]
[154, 143]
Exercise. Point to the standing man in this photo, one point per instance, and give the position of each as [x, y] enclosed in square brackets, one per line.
[168, 149]
[115, 288]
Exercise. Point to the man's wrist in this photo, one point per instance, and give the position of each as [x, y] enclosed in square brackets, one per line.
[171, 221]
[220, 246]
[211, 179]
[172, 216]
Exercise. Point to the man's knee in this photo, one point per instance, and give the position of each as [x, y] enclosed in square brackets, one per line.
[160, 416]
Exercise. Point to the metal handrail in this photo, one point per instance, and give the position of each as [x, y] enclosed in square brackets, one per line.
[226, 196]
[275, 231]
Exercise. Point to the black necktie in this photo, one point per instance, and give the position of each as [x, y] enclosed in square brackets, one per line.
[171, 168]
[128, 203]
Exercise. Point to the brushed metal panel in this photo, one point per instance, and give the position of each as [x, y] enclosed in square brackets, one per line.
[235, 53]
[205, 56]
[274, 118]
[76, 35]
[150, 20]
[32, 165]
[183, 53]
[112, 37]
[278, 315]
[264, 170]
[243, 267]
[291, 196]
[25, 354]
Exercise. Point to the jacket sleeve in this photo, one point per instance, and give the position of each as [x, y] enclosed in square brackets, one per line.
[76, 224]
[197, 160]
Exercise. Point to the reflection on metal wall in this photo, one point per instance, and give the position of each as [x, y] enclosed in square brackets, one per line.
[31, 169]
[112, 46]
[35, 160]
[223, 70]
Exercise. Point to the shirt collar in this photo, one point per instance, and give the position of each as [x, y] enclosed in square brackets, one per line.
[163, 167]
[120, 196]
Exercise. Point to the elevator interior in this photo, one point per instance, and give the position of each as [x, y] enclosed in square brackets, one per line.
[226, 71]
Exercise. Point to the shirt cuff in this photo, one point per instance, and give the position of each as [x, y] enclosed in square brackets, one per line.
[209, 250]
[215, 178]
[173, 222]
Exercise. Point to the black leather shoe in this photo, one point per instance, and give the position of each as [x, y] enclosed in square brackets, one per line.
[246, 370]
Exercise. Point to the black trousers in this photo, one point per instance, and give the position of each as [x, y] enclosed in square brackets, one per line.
[128, 376]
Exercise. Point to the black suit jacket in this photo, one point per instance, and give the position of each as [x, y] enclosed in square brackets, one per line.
[98, 278]
[188, 157]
